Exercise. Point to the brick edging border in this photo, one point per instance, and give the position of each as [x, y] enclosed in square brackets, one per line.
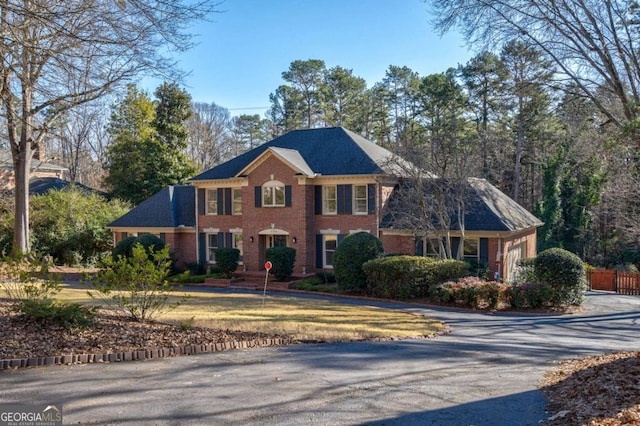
[141, 354]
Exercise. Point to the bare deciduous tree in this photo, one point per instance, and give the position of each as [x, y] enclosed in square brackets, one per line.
[57, 55]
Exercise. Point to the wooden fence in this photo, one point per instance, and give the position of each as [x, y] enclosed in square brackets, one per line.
[611, 280]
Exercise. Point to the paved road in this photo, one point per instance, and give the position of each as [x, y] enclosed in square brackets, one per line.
[483, 373]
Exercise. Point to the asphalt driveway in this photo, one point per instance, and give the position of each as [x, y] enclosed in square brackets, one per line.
[483, 373]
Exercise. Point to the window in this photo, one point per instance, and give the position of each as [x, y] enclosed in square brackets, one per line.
[237, 201]
[329, 200]
[471, 249]
[434, 247]
[212, 201]
[360, 199]
[329, 244]
[273, 194]
[236, 240]
[212, 245]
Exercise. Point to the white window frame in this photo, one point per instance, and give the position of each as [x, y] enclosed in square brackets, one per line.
[364, 199]
[271, 189]
[236, 195]
[432, 247]
[211, 256]
[326, 209]
[212, 200]
[326, 238]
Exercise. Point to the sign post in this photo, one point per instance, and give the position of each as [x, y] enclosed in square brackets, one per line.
[268, 265]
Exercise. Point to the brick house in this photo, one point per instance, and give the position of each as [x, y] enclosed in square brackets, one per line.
[308, 189]
[40, 169]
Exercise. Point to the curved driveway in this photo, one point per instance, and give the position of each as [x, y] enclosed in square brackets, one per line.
[483, 373]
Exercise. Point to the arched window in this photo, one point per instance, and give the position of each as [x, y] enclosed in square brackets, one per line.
[273, 194]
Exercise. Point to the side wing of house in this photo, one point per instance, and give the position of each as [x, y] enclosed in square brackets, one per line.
[170, 215]
[497, 232]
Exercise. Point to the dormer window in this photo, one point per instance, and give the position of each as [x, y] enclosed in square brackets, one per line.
[273, 194]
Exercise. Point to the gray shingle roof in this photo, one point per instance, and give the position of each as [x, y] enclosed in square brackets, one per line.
[487, 209]
[327, 151]
[6, 162]
[171, 207]
[42, 185]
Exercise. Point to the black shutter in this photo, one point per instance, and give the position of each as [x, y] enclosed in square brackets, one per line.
[341, 199]
[318, 199]
[348, 199]
[201, 201]
[484, 250]
[371, 198]
[340, 238]
[228, 237]
[220, 192]
[319, 251]
[220, 239]
[228, 202]
[419, 246]
[455, 243]
[287, 195]
[203, 247]
[163, 237]
[258, 192]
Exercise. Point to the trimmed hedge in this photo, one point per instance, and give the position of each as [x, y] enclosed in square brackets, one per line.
[408, 277]
[283, 259]
[353, 252]
[227, 260]
[564, 273]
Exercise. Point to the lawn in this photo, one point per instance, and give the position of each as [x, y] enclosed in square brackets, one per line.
[303, 319]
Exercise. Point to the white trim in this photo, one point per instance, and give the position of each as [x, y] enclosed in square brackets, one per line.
[324, 249]
[235, 230]
[325, 211]
[354, 199]
[330, 231]
[206, 201]
[273, 231]
[211, 230]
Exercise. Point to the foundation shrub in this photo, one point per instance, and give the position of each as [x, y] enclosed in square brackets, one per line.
[227, 260]
[283, 259]
[350, 255]
[408, 277]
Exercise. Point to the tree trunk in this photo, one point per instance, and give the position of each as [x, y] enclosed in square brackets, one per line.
[519, 148]
[21, 167]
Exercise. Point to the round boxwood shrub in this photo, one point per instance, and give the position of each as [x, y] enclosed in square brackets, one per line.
[283, 259]
[353, 252]
[148, 241]
[564, 272]
[123, 248]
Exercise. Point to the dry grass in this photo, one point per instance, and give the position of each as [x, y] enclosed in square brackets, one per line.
[303, 319]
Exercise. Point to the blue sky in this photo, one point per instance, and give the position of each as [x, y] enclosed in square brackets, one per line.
[243, 51]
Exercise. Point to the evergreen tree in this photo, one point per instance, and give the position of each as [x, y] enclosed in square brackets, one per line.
[149, 141]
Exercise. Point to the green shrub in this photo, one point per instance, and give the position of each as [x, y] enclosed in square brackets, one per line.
[227, 260]
[60, 313]
[531, 295]
[149, 242]
[407, 277]
[282, 259]
[69, 225]
[564, 273]
[136, 285]
[123, 248]
[314, 284]
[353, 252]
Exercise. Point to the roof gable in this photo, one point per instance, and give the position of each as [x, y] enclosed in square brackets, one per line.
[171, 207]
[327, 151]
[291, 157]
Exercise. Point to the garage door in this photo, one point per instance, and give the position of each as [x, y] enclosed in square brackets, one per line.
[514, 254]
